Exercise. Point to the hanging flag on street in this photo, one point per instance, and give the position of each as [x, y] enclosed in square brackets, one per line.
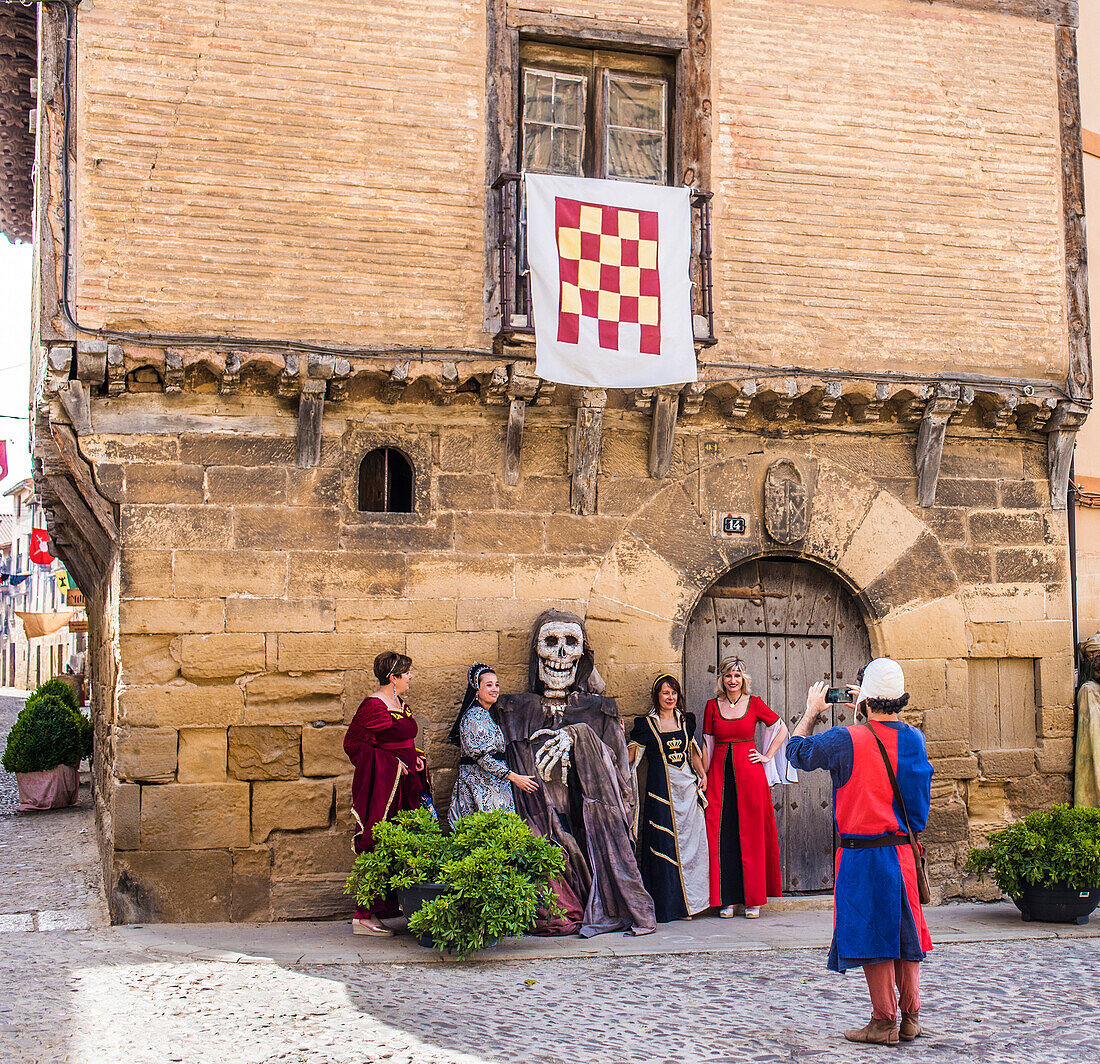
[610, 286]
[40, 547]
[3, 459]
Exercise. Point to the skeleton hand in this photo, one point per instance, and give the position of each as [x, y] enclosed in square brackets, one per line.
[555, 750]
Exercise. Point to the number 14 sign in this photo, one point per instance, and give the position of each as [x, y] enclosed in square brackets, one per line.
[725, 525]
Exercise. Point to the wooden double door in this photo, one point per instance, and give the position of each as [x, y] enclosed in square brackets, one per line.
[792, 623]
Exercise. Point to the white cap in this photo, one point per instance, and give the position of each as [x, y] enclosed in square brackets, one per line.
[883, 678]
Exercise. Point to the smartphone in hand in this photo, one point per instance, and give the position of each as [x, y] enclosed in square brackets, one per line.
[836, 694]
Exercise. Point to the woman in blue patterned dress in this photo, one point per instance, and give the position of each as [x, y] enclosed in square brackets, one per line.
[484, 780]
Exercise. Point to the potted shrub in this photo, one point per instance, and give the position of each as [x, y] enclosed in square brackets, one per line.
[1048, 864]
[464, 891]
[44, 747]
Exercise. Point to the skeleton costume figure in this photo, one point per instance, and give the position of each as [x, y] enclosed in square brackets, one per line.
[566, 731]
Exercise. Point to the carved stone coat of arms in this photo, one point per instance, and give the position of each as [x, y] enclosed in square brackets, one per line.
[786, 503]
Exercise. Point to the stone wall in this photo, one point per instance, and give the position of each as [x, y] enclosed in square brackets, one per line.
[253, 598]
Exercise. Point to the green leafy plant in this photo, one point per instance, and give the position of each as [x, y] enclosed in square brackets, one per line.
[61, 691]
[57, 689]
[1050, 847]
[497, 873]
[46, 733]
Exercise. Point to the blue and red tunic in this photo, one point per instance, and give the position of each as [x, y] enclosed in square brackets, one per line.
[877, 913]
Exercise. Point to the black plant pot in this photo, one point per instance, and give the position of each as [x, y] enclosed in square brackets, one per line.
[1057, 905]
[412, 898]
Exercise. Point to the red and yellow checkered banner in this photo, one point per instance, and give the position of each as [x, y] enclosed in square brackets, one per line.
[609, 267]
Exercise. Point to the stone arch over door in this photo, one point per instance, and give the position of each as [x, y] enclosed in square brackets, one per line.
[793, 622]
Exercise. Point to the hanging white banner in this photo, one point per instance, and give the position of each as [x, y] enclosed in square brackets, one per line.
[610, 287]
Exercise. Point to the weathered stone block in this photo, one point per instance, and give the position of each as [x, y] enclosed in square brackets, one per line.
[972, 564]
[323, 751]
[194, 816]
[279, 615]
[1006, 764]
[619, 496]
[234, 485]
[541, 495]
[569, 534]
[295, 806]
[1025, 494]
[251, 898]
[346, 574]
[499, 533]
[213, 449]
[140, 616]
[162, 483]
[1056, 721]
[956, 768]
[206, 574]
[183, 527]
[943, 748]
[936, 629]
[1030, 564]
[947, 822]
[125, 816]
[147, 659]
[1055, 755]
[202, 755]
[1037, 792]
[998, 527]
[313, 487]
[1055, 683]
[318, 897]
[900, 585]
[145, 573]
[310, 652]
[989, 603]
[279, 528]
[312, 853]
[988, 640]
[181, 706]
[969, 493]
[265, 753]
[842, 502]
[1041, 639]
[147, 754]
[395, 616]
[483, 616]
[926, 682]
[276, 698]
[454, 649]
[437, 577]
[885, 534]
[986, 805]
[174, 886]
[570, 579]
[397, 536]
[206, 657]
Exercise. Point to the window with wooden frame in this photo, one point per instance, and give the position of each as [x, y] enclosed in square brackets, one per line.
[596, 113]
[385, 482]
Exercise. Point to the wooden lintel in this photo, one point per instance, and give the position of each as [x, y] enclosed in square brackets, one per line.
[75, 399]
[513, 442]
[586, 451]
[662, 432]
[311, 408]
[83, 518]
[930, 437]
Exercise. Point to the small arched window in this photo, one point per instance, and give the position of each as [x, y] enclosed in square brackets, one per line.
[385, 482]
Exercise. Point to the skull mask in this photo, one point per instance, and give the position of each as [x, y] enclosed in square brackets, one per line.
[560, 646]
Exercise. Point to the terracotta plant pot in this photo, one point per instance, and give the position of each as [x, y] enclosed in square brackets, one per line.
[54, 788]
[1057, 905]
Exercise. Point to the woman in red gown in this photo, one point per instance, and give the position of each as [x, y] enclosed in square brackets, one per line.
[741, 834]
[390, 773]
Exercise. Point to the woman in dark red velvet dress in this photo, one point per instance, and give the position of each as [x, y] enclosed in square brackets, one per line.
[741, 833]
[390, 773]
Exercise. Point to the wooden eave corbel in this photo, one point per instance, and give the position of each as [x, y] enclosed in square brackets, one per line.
[1064, 422]
[586, 449]
[662, 430]
[311, 408]
[522, 388]
[68, 456]
[930, 437]
[76, 402]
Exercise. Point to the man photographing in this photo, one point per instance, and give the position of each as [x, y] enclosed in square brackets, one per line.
[879, 925]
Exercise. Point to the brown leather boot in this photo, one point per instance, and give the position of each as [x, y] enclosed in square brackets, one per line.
[910, 1026]
[877, 1032]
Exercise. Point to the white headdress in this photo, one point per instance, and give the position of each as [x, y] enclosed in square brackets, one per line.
[883, 679]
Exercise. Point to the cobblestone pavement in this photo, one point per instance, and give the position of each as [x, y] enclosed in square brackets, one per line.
[50, 875]
[85, 997]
